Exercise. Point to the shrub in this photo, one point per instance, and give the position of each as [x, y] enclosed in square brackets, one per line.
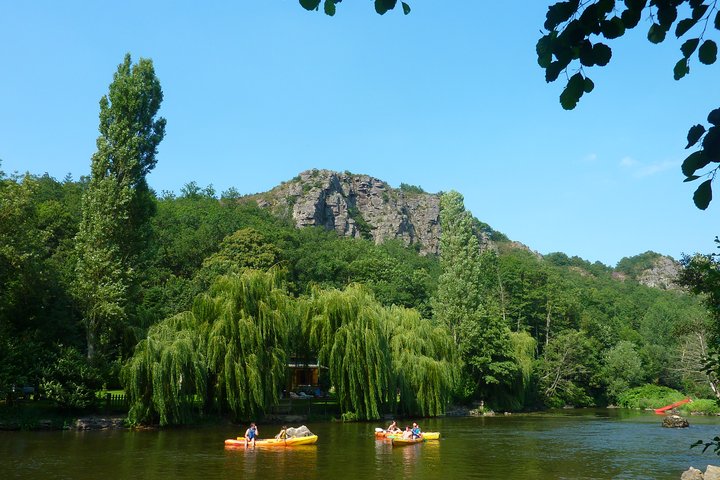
[649, 396]
[704, 406]
[70, 381]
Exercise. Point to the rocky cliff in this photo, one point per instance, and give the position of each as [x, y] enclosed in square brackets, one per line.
[358, 206]
[650, 269]
[362, 206]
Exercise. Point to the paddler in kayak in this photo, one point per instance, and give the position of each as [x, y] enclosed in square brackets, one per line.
[251, 435]
[393, 428]
[416, 433]
[407, 434]
[283, 433]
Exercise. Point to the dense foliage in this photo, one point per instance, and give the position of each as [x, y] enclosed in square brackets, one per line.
[195, 303]
[566, 331]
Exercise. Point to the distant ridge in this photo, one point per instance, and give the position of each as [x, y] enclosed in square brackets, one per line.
[362, 206]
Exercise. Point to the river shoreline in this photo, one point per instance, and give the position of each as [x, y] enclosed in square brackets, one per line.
[35, 421]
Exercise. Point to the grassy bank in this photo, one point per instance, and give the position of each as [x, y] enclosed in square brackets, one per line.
[654, 396]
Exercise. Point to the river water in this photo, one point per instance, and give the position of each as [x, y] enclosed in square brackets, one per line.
[573, 444]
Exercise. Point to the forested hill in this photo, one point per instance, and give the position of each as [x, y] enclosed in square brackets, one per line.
[577, 333]
[362, 206]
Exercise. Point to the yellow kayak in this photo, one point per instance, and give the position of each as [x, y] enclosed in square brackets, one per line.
[273, 442]
[401, 442]
[425, 435]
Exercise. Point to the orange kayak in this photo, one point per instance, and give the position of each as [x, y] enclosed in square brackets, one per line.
[425, 435]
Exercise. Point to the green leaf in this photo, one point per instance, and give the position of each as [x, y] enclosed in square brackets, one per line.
[694, 162]
[590, 19]
[545, 60]
[683, 26]
[601, 54]
[552, 72]
[691, 178]
[635, 5]
[656, 34]
[694, 134]
[560, 12]
[573, 91]
[681, 69]
[711, 144]
[613, 28]
[631, 18]
[330, 7]
[703, 195]
[382, 6]
[589, 85]
[605, 6]
[310, 4]
[544, 50]
[688, 48]
[586, 53]
[698, 10]
[714, 117]
[708, 52]
[717, 20]
[406, 8]
[666, 14]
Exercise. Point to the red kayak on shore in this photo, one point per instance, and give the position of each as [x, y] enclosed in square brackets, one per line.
[662, 410]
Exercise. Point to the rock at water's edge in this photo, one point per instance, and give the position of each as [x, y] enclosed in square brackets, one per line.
[675, 421]
[712, 473]
[99, 423]
[692, 474]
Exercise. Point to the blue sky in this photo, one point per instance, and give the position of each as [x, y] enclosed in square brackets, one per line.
[448, 97]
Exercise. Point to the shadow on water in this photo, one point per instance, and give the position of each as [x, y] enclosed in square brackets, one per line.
[566, 444]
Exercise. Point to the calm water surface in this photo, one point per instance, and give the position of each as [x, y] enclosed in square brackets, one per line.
[583, 444]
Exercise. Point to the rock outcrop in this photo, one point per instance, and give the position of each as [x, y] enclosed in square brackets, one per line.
[358, 206]
[663, 274]
[675, 421]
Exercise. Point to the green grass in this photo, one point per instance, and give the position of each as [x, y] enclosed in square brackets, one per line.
[654, 396]
[702, 406]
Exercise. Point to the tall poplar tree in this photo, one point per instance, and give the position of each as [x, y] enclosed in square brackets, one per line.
[464, 303]
[458, 296]
[118, 204]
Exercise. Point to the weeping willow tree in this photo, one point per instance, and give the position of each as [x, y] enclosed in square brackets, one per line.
[374, 352]
[423, 360]
[166, 372]
[227, 352]
[524, 347]
[248, 341]
[347, 332]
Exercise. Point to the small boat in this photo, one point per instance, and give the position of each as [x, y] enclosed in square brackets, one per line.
[425, 435]
[273, 442]
[401, 442]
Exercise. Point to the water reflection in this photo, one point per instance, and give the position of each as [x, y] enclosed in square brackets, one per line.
[278, 461]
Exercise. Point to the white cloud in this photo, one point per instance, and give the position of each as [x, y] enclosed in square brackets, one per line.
[639, 169]
[627, 162]
[590, 157]
[649, 170]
